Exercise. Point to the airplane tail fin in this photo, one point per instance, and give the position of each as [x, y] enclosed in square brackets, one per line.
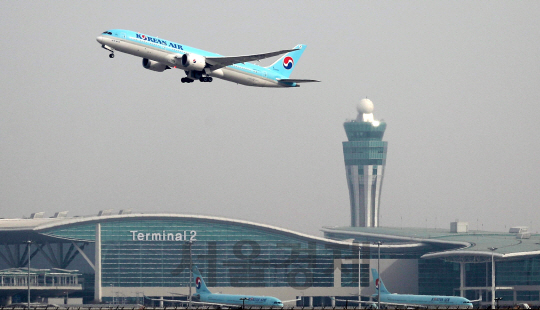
[378, 282]
[285, 65]
[200, 286]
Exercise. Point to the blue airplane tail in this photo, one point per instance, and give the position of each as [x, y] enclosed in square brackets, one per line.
[200, 286]
[285, 65]
[378, 282]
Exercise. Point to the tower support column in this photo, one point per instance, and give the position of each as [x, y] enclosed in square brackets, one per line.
[98, 293]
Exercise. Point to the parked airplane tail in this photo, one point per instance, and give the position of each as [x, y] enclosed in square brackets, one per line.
[200, 286]
[378, 282]
[285, 65]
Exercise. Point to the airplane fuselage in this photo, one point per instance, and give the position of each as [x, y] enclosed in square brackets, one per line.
[166, 54]
[426, 300]
[246, 300]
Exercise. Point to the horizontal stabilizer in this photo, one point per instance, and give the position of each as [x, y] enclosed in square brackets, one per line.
[296, 80]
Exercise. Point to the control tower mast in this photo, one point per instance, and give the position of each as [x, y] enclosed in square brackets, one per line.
[365, 161]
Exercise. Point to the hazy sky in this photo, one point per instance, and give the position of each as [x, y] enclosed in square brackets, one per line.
[457, 82]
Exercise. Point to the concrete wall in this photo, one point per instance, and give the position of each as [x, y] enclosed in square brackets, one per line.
[61, 301]
[398, 275]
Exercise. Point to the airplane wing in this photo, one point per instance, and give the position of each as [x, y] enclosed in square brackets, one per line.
[369, 304]
[187, 301]
[414, 305]
[358, 301]
[167, 300]
[178, 294]
[402, 304]
[296, 80]
[373, 302]
[220, 62]
[292, 300]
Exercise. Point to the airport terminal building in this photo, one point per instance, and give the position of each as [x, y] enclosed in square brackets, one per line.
[121, 258]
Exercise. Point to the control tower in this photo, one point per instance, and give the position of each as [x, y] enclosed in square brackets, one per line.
[365, 161]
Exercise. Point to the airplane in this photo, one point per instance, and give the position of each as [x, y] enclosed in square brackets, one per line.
[159, 55]
[417, 301]
[205, 297]
[428, 301]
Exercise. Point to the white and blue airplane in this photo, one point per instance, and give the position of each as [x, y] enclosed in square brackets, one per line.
[426, 301]
[159, 55]
[204, 297]
[416, 301]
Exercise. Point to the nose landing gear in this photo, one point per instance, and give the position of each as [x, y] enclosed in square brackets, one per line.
[111, 55]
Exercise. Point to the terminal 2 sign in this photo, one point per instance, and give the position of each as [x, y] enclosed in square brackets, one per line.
[164, 236]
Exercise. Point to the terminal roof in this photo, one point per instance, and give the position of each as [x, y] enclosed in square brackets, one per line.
[21, 230]
[470, 246]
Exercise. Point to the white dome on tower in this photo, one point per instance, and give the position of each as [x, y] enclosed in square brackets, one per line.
[365, 106]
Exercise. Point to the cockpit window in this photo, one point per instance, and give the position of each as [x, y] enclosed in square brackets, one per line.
[107, 32]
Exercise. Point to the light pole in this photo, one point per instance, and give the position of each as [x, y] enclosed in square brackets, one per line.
[243, 299]
[379, 273]
[112, 293]
[497, 301]
[28, 248]
[190, 243]
[359, 271]
[492, 249]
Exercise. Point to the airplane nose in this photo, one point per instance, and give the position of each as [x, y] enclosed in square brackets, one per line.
[100, 39]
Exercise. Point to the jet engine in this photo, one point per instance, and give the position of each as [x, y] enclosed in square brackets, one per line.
[154, 65]
[193, 62]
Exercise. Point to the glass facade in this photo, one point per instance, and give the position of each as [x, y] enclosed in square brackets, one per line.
[349, 275]
[360, 153]
[155, 253]
[518, 272]
[437, 277]
[527, 295]
[364, 131]
[83, 232]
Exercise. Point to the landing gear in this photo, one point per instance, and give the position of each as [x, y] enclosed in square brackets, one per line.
[196, 75]
[204, 79]
[111, 55]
